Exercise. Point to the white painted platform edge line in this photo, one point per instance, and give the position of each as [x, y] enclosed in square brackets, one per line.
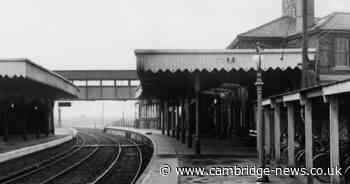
[35, 148]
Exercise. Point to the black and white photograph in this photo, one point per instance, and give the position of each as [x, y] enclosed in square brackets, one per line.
[174, 92]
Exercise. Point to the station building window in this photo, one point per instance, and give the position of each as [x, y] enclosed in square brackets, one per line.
[341, 52]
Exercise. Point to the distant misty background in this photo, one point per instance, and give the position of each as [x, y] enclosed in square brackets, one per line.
[97, 113]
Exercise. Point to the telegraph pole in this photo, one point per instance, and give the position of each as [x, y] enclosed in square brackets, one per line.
[306, 80]
[305, 59]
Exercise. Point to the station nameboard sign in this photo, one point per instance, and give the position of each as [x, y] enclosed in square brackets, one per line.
[64, 104]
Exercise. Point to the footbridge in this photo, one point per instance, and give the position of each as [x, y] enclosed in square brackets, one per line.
[104, 84]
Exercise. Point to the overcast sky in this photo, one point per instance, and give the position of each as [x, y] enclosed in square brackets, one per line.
[102, 34]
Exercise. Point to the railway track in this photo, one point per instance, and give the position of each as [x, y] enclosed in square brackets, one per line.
[96, 158]
[125, 168]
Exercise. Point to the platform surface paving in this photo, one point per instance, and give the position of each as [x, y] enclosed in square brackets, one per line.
[17, 147]
[172, 153]
[17, 142]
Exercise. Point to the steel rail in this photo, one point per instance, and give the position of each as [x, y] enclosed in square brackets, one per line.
[105, 174]
[140, 163]
[140, 160]
[74, 165]
[52, 160]
[111, 166]
[43, 164]
[108, 170]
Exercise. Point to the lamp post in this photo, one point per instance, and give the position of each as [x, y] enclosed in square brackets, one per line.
[197, 136]
[260, 144]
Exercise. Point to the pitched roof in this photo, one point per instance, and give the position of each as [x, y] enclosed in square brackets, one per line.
[334, 21]
[280, 27]
[286, 26]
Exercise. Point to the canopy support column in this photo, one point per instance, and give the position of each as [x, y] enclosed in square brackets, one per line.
[187, 122]
[137, 124]
[197, 136]
[233, 115]
[267, 133]
[162, 117]
[177, 120]
[147, 117]
[158, 112]
[291, 134]
[173, 128]
[166, 118]
[183, 125]
[229, 119]
[277, 113]
[308, 138]
[334, 138]
[215, 117]
[222, 120]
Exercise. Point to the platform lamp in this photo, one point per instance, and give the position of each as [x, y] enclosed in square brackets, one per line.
[259, 87]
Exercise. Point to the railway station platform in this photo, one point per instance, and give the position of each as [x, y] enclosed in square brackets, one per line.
[169, 146]
[172, 153]
[16, 147]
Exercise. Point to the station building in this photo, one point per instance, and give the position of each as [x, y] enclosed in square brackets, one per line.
[329, 35]
[28, 92]
[308, 127]
[212, 93]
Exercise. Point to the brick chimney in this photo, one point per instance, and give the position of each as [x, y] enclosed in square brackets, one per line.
[294, 8]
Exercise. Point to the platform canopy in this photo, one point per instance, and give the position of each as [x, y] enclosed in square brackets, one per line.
[170, 73]
[209, 60]
[25, 78]
[324, 90]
